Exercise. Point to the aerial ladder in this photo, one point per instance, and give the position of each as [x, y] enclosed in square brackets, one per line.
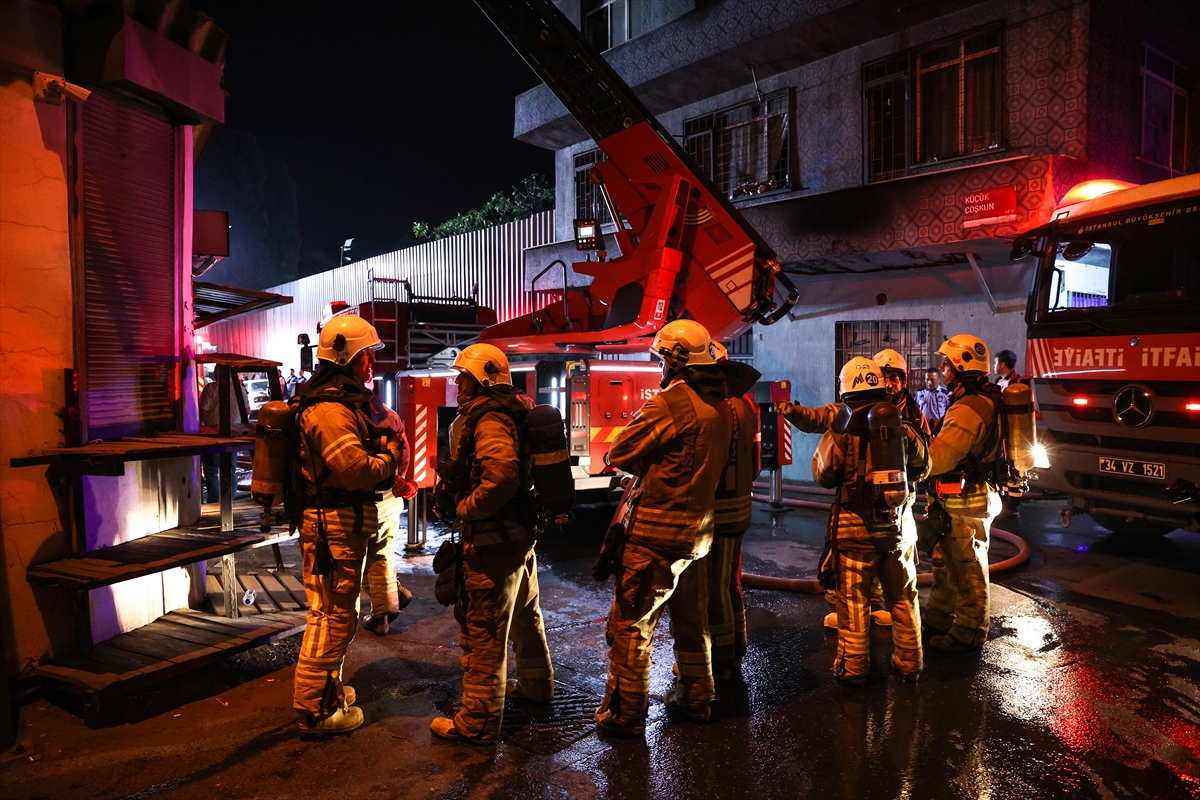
[685, 251]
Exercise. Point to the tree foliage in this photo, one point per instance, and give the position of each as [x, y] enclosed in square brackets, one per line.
[530, 196]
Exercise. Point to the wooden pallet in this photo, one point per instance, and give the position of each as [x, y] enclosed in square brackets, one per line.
[156, 552]
[273, 591]
[177, 642]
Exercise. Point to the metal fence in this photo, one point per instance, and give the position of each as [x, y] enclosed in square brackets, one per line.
[491, 259]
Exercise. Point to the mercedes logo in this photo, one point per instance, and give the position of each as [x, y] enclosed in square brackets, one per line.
[1133, 406]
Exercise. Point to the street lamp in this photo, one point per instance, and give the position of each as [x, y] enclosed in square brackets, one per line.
[345, 248]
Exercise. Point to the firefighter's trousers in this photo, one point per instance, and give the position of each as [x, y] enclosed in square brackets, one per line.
[960, 599]
[501, 602]
[332, 611]
[649, 581]
[380, 577]
[897, 573]
[726, 607]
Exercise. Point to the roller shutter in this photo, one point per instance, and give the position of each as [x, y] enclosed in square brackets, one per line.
[127, 161]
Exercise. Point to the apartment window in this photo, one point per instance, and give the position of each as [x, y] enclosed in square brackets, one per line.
[589, 203]
[743, 148]
[886, 116]
[1164, 112]
[908, 337]
[608, 23]
[932, 104]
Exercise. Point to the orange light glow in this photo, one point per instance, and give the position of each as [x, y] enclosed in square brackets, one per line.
[1090, 190]
[1192, 406]
[1080, 401]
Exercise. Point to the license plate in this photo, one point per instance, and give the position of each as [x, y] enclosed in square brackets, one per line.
[1134, 469]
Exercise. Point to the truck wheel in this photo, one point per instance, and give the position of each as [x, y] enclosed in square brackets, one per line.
[1131, 526]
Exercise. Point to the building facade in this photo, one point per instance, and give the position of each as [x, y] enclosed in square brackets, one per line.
[889, 152]
[103, 109]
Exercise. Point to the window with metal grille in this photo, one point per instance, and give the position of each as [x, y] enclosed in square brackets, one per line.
[128, 337]
[745, 148]
[742, 347]
[589, 202]
[908, 337]
[608, 23]
[886, 118]
[1164, 112]
[958, 86]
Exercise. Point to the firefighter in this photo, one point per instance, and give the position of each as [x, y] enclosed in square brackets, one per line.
[678, 445]
[340, 475]
[388, 596]
[894, 369]
[869, 542]
[732, 511]
[960, 459]
[498, 598]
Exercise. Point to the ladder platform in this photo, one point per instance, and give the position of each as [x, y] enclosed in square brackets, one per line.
[175, 643]
[156, 552]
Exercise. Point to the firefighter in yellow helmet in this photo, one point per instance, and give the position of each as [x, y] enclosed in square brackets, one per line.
[894, 370]
[732, 513]
[678, 445]
[344, 476]
[961, 459]
[490, 485]
[871, 536]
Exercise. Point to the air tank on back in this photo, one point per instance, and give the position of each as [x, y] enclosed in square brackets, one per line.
[272, 456]
[1018, 417]
[888, 455]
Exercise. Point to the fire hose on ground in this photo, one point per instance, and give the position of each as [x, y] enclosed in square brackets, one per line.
[923, 579]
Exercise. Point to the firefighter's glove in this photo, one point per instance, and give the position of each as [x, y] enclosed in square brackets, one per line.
[786, 408]
[612, 553]
[396, 448]
[405, 489]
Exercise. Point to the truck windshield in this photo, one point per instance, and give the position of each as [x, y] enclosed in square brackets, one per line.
[1147, 256]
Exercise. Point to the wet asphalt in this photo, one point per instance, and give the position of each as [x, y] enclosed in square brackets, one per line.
[1089, 686]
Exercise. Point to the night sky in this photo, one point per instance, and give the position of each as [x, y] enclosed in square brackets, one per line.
[383, 113]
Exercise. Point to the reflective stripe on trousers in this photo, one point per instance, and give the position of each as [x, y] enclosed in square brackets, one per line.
[502, 602]
[726, 607]
[960, 599]
[648, 582]
[379, 579]
[897, 573]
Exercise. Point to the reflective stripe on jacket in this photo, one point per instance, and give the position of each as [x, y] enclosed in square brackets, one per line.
[965, 431]
[678, 444]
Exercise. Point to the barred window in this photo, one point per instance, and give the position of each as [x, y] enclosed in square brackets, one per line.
[744, 149]
[886, 115]
[1164, 112]
[908, 337]
[589, 203]
[958, 97]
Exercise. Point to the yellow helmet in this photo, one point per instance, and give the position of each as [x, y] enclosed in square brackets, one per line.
[344, 337]
[890, 359]
[966, 353]
[719, 352]
[683, 343]
[860, 374]
[486, 363]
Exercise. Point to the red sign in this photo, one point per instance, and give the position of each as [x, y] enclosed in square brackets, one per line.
[989, 206]
[1158, 357]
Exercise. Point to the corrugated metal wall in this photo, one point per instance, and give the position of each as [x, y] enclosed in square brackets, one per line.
[492, 258]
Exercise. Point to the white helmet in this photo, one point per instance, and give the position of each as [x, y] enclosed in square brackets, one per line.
[890, 359]
[860, 374]
[966, 353]
[486, 363]
[344, 337]
[683, 343]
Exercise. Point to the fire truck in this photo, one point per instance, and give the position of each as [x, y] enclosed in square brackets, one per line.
[681, 251]
[1114, 351]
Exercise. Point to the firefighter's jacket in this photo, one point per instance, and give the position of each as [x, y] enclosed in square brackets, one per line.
[810, 419]
[835, 466]
[968, 429]
[497, 474]
[733, 506]
[333, 453]
[678, 444]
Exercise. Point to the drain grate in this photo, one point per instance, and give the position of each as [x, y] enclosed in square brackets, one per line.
[548, 729]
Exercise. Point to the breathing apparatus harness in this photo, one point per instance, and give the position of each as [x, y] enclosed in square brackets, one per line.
[978, 470]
